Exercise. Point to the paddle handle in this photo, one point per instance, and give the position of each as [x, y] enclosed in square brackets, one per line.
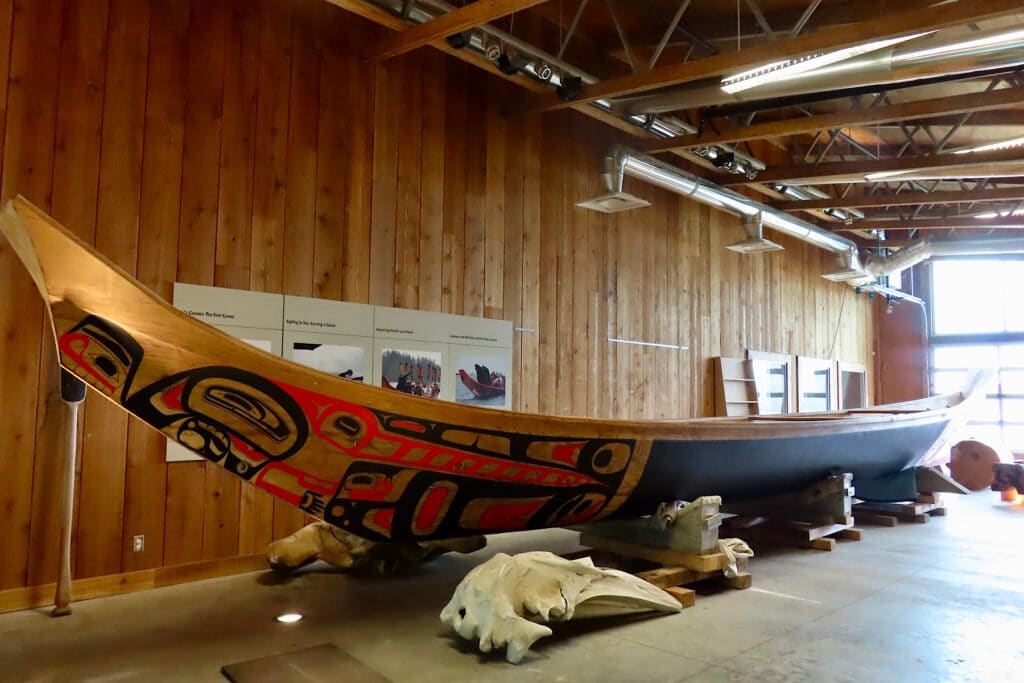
[72, 393]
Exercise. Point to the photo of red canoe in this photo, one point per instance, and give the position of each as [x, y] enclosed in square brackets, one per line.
[480, 390]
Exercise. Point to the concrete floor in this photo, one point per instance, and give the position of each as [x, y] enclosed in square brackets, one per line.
[943, 601]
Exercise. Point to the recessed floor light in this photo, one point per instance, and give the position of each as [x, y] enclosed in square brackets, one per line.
[289, 618]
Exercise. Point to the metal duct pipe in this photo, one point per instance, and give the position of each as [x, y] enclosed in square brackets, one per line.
[925, 249]
[890, 65]
[622, 161]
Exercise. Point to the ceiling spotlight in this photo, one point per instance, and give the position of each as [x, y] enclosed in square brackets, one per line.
[510, 62]
[492, 49]
[506, 66]
[457, 41]
[570, 89]
[544, 71]
[289, 618]
[725, 161]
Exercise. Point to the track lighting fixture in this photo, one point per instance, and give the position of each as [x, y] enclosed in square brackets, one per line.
[544, 72]
[506, 65]
[492, 49]
[457, 41]
[570, 89]
[510, 61]
[725, 160]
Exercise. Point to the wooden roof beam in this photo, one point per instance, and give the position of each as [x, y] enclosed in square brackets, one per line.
[971, 236]
[473, 14]
[857, 170]
[826, 40]
[954, 223]
[959, 104]
[904, 199]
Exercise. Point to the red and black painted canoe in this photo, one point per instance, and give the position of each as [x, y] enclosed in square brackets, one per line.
[389, 466]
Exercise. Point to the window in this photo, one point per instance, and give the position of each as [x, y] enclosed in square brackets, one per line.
[814, 384]
[853, 385]
[773, 381]
[978, 321]
[977, 296]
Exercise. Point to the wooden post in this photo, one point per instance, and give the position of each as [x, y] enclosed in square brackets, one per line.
[72, 392]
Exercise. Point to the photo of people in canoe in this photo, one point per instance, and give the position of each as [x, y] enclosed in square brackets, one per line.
[412, 372]
[483, 379]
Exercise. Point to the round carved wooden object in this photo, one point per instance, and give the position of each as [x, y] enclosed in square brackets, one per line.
[970, 464]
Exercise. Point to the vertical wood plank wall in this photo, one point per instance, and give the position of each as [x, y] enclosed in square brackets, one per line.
[240, 144]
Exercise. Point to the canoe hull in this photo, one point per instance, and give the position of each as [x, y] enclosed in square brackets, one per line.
[388, 466]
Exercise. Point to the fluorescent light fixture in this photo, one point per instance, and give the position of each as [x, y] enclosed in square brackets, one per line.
[884, 175]
[289, 618]
[776, 71]
[998, 214]
[992, 146]
[991, 40]
[643, 343]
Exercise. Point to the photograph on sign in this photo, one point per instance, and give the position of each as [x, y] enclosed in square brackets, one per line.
[482, 377]
[347, 362]
[411, 371]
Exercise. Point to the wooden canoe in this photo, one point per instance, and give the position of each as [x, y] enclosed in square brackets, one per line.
[389, 466]
[480, 390]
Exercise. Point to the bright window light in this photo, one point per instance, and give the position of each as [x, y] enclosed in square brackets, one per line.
[973, 296]
[776, 71]
[974, 303]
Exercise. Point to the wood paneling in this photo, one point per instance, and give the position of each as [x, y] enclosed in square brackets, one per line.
[244, 144]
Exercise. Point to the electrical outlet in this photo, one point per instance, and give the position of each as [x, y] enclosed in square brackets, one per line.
[138, 543]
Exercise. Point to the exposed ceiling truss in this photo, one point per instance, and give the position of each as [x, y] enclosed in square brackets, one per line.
[914, 133]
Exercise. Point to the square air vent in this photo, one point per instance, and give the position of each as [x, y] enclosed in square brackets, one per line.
[755, 246]
[613, 202]
[848, 275]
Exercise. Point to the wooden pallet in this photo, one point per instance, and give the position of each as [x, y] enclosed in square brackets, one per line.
[671, 558]
[919, 511]
[813, 518]
[793, 533]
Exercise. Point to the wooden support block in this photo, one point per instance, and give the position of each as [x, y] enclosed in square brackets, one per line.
[827, 502]
[741, 581]
[670, 558]
[665, 577]
[851, 534]
[785, 532]
[685, 596]
[579, 554]
[694, 531]
[873, 518]
[933, 480]
[938, 512]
